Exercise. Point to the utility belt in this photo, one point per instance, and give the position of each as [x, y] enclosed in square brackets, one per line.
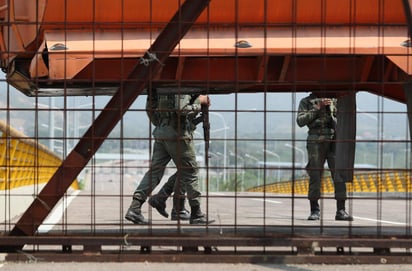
[321, 131]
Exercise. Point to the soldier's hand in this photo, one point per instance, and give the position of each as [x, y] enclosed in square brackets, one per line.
[204, 100]
[323, 103]
[326, 102]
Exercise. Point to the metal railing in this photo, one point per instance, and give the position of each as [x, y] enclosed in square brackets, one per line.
[365, 182]
[24, 161]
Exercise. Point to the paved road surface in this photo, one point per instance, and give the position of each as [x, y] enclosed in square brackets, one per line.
[103, 203]
[101, 206]
[192, 267]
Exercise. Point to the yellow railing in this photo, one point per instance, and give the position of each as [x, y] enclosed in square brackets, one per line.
[367, 182]
[23, 161]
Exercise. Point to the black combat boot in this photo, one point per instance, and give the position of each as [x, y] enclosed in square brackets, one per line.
[314, 210]
[197, 217]
[341, 214]
[134, 213]
[183, 214]
[179, 211]
[158, 202]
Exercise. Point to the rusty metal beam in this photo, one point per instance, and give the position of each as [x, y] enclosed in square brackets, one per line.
[366, 68]
[388, 71]
[262, 68]
[180, 68]
[252, 257]
[285, 68]
[253, 249]
[270, 240]
[149, 65]
[408, 14]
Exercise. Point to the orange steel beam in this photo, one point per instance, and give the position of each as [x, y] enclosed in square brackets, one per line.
[407, 7]
[374, 44]
[104, 37]
[150, 64]
[109, 14]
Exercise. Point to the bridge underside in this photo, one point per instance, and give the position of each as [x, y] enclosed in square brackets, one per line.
[248, 74]
[236, 46]
[286, 59]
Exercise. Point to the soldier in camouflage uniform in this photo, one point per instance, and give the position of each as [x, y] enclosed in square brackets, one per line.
[173, 141]
[158, 201]
[319, 115]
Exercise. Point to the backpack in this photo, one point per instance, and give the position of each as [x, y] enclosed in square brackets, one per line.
[159, 107]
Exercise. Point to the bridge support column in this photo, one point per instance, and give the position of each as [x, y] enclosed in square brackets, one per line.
[345, 137]
[408, 98]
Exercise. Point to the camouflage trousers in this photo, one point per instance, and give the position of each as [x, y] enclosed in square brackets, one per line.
[321, 149]
[182, 153]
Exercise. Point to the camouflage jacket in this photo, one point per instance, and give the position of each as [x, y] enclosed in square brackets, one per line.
[319, 121]
[176, 119]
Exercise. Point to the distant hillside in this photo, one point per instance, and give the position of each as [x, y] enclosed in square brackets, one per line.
[250, 118]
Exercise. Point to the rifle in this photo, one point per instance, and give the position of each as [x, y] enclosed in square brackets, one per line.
[206, 132]
[204, 117]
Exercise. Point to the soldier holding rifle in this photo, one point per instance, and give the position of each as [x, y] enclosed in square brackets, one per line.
[319, 115]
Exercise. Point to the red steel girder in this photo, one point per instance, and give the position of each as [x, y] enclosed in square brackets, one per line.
[238, 248]
[144, 71]
[408, 14]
